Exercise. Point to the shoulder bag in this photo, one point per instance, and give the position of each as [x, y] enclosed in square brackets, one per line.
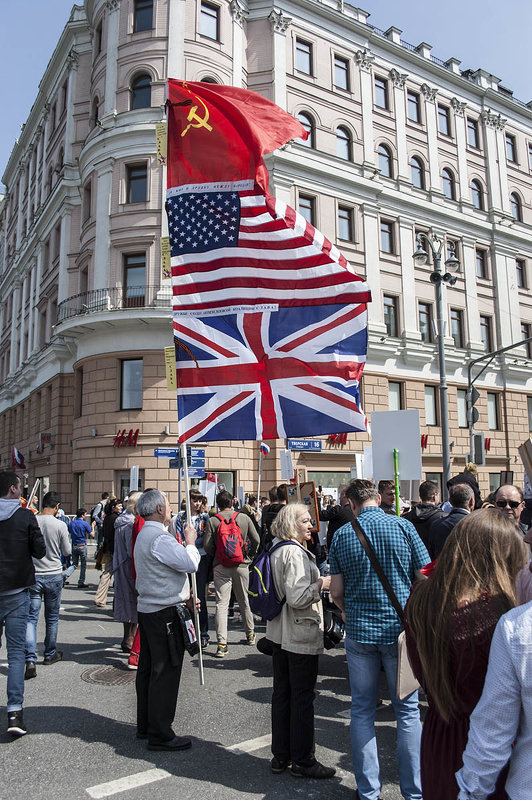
[406, 682]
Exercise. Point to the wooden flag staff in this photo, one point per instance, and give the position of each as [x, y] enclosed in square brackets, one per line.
[192, 574]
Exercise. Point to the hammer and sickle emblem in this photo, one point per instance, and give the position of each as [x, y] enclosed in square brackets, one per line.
[195, 121]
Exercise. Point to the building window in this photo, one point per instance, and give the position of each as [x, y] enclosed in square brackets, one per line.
[520, 271]
[486, 334]
[444, 120]
[477, 195]
[387, 237]
[529, 406]
[473, 138]
[511, 148]
[516, 207]
[390, 315]
[461, 402]
[381, 92]
[308, 124]
[395, 396]
[98, 41]
[306, 207]
[143, 15]
[413, 106]
[136, 183]
[431, 408]
[345, 223]
[343, 143]
[303, 57]
[78, 392]
[530, 155]
[210, 21]
[93, 121]
[493, 411]
[457, 327]
[481, 257]
[417, 171]
[425, 321]
[449, 187]
[341, 73]
[87, 201]
[385, 161]
[134, 280]
[140, 93]
[525, 334]
[131, 384]
[437, 478]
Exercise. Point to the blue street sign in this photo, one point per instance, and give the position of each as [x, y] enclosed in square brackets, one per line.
[304, 444]
[196, 462]
[166, 452]
[174, 463]
[195, 452]
[194, 472]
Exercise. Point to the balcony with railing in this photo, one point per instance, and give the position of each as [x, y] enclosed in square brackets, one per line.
[114, 300]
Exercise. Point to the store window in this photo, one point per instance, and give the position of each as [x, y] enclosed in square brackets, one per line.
[329, 481]
[131, 384]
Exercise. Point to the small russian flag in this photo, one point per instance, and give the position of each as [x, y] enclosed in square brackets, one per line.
[17, 459]
[264, 448]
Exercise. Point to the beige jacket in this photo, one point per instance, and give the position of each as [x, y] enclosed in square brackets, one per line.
[299, 626]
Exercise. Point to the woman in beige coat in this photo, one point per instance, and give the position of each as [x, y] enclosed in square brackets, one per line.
[297, 638]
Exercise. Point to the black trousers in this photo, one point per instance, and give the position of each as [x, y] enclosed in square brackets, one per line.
[157, 681]
[294, 681]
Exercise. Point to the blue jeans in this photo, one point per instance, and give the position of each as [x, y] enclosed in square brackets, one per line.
[49, 588]
[364, 663]
[14, 609]
[79, 553]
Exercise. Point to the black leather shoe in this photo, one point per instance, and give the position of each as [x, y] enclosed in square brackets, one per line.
[177, 743]
[57, 656]
[279, 765]
[316, 770]
[31, 670]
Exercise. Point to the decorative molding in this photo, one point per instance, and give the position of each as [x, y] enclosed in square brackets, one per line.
[340, 6]
[493, 120]
[429, 92]
[72, 59]
[112, 5]
[364, 59]
[238, 12]
[279, 21]
[458, 107]
[398, 78]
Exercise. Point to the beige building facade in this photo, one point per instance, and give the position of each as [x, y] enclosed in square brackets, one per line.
[400, 143]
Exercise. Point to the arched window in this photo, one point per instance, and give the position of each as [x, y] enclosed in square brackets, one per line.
[308, 124]
[208, 79]
[141, 92]
[94, 112]
[417, 171]
[517, 209]
[385, 161]
[477, 195]
[448, 182]
[343, 143]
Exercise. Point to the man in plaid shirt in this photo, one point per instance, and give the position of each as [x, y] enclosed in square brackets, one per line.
[372, 628]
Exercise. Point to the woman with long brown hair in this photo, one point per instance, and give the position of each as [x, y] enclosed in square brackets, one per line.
[450, 619]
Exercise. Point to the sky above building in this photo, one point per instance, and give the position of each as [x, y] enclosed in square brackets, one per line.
[481, 33]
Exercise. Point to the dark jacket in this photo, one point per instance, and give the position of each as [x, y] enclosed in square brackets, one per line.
[440, 530]
[466, 477]
[20, 539]
[336, 516]
[422, 516]
[268, 515]
[109, 532]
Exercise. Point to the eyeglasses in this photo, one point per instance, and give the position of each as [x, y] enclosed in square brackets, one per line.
[511, 503]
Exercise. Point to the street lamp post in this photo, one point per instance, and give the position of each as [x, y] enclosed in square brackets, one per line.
[438, 277]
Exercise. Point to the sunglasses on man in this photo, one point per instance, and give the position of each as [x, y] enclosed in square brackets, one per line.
[511, 503]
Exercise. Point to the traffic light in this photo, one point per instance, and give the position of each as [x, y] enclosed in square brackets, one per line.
[479, 456]
[472, 412]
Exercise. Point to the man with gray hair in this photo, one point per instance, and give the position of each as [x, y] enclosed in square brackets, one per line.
[161, 564]
[462, 499]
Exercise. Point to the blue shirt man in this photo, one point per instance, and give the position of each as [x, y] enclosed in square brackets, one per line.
[79, 530]
[372, 628]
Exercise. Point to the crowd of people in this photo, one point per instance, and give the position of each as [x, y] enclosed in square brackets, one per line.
[456, 578]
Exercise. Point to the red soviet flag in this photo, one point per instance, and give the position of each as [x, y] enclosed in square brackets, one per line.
[220, 133]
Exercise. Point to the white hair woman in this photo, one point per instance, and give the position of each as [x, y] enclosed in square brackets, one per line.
[125, 596]
[297, 639]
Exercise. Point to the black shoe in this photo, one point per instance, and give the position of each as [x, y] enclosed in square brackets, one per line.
[57, 656]
[83, 585]
[177, 743]
[316, 770]
[15, 723]
[31, 670]
[279, 765]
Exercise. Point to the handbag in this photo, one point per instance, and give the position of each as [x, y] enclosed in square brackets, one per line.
[406, 681]
[99, 558]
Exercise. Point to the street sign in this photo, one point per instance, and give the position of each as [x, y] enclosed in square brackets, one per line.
[194, 472]
[304, 444]
[166, 452]
[174, 463]
[195, 452]
[196, 462]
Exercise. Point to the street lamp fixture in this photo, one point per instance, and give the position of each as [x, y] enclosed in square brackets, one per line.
[438, 277]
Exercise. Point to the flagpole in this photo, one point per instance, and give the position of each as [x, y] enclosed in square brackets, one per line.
[258, 480]
[192, 574]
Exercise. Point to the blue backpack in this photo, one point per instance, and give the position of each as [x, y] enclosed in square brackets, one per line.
[262, 598]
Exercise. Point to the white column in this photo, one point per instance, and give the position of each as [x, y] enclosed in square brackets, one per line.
[239, 15]
[23, 302]
[100, 277]
[432, 138]
[280, 24]
[44, 170]
[398, 80]
[15, 311]
[64, 249]
[471, 312]
[36, 326]
[31, 313]
[408, 281]
[72, 60]
[364, 60]
[496, 161]
[370, 221]
[176, 39]
[20, 216]
[507, 315]
[460, 128]
[111, 63]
